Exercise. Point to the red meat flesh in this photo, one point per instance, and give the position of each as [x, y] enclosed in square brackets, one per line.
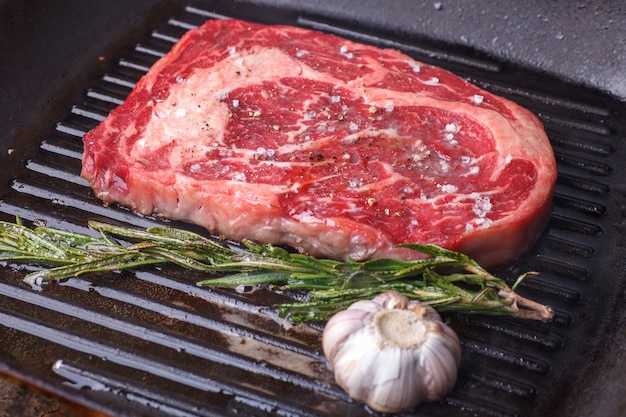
[289, 136]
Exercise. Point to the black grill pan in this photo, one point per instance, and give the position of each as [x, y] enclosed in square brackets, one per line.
[151, 343]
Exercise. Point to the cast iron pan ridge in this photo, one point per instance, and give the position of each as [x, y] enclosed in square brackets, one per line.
[152, 343]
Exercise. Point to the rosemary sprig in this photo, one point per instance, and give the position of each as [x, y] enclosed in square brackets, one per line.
[447, 280]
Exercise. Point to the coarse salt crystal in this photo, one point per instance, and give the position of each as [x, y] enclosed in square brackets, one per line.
[477, 98]
[452, 128]
[482, 206]
[449, 188]
[344, 51]
[240, 177]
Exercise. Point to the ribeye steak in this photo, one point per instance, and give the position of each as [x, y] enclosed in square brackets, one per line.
[289, 136]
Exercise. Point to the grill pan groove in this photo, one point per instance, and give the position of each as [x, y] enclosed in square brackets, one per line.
[85, 378]
[505, 357]
[500, 382]
[106, 97]
[584, 164]
[509, 367]
[590, 147]
[588, 207]
[548, 101]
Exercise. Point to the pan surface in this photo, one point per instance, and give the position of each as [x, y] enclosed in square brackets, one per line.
[152, 343]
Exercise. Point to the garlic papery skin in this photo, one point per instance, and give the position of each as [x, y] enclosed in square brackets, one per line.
[392, 353]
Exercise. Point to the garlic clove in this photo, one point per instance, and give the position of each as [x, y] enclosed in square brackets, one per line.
[351, 322]
[441, 371]
[392, 353]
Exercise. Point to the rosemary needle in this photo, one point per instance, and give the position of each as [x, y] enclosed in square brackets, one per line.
[331, 285]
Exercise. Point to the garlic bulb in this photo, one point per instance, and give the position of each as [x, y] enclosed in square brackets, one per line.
[392, 353]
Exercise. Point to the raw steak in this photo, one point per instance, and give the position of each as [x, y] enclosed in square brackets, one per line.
[289, 136]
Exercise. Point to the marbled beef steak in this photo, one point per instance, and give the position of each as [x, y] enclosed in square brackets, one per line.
[289, 136]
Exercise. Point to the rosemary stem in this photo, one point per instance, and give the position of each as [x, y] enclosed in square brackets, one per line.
[529, 309]
[331, 284]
